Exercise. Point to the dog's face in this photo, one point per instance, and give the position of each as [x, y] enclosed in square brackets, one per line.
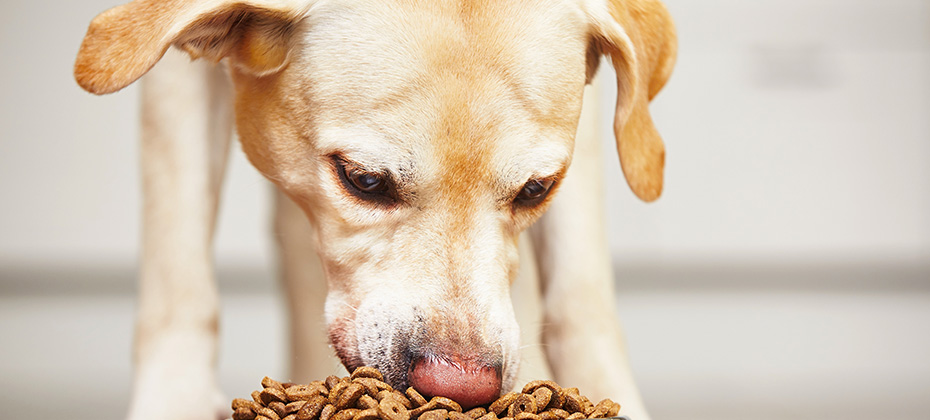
[421, 138]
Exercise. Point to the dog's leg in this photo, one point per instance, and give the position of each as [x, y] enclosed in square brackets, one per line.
[581, 334]
[305, 291]
[186, 122]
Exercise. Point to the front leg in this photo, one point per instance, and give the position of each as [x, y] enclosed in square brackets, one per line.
[582, 335]
[186, 121]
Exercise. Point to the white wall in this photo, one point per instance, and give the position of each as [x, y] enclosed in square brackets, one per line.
[796, 131]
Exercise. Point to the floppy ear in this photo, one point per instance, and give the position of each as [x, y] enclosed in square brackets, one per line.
[126, 41]
[639, 37]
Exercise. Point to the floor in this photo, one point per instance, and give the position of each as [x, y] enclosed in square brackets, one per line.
[699, 353]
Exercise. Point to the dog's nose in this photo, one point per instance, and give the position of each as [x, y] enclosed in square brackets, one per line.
[468, 383]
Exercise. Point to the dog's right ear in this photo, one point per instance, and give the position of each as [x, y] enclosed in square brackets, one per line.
[126, 41]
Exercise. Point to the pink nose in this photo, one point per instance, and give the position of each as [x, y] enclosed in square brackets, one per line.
[469, 384]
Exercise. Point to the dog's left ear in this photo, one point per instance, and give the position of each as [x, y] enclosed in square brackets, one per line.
[125, 42]
[639, 37]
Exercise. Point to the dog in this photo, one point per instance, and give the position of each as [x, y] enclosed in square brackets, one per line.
[420, 139]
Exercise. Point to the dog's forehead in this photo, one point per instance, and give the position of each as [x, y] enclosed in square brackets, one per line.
[473, 74]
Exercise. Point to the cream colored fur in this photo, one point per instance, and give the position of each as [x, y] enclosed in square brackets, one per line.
[464, 103]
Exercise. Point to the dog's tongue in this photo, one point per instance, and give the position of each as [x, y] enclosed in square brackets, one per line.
[468, 385]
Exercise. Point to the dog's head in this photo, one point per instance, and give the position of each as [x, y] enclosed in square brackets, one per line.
[420, 137]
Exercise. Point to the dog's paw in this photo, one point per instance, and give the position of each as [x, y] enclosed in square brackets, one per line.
[177, 391]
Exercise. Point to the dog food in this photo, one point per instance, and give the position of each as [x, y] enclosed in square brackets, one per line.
[365, 396]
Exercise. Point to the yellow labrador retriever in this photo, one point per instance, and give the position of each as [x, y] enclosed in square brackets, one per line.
[420, 138]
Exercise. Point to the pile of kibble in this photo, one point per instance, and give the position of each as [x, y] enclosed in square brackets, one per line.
[365, 396]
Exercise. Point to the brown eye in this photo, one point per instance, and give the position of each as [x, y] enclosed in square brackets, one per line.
[534, 192]
[365, 181]
[369, 186]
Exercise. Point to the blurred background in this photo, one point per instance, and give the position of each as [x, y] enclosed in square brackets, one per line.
[785, 272]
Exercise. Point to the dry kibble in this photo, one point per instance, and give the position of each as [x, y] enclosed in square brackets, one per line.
[437, 414]
[243, 413]
[269, 413]
[415, 398]
[327, 412]
[476, 412]
[522, 404]
[312, 408]
[301, 392]
[365, 402]
[392, 408]
[367, 414]
[349, 396]
[542, 397]
[279, 408]
[270, 395]
[271, 383]
[367, 372]
[347, 414]
[447, 404]
[365, 396]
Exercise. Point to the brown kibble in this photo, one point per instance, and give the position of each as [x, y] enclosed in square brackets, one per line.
[347, 414]
[431, 405]
[437, 414]
[575, 416]
[349, 396]
[489, 416]
[476, 412]
[367, 372]
[403, 398]
[256, 396]
[562, 414]
[573, 403]
[532, 386]
[271, 383]
[367, 414]
[614, 410]
[278, 407]
[447, 404]
[415, 398]
[331, 381]
[455, 415]
[241, 403]
[311, 409]
[365, 402]
[372, 386]
[522, 404]
[270, 395]
[542, 396]
[548, 415]
[295, 406]
[392, 408]
[290, 417]
[243, 413]
[506, 418]
[336, 391]
[527, 416]
[261, 418]
[267, 412]
[503, 403]
[301, 392]
[327, 412]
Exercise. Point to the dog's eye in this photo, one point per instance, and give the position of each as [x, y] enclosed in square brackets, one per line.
[370, 186]
[364, 181]
[534, 192]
